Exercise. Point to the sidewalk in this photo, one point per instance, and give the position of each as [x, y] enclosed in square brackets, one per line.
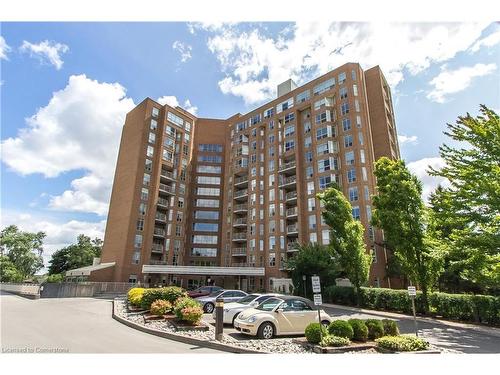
[486, 330]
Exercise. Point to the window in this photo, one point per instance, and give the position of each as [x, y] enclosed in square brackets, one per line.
[324, 86]
[155, 112]
[344, 108]
[170, 131]
[309, 172]
[283, 106]
[323, 117]
[312, 222]
[144, 194]
[289, 117]
[206, 180]
[323, 102]
[203, 252]
[311, 204]
[310, 187]
[136, 257]
[307, 142]
[323, 165]
[351, 175]
[368, 213]
[255, 119]
[140, 225]
[208, 191]
[152, 138]
[206, 202]
[342, 77]
[323, 148]
[185, 150]
[360, 138]
[349, 158]
[346, 124]
[146, 179]
[324, 182]
[325, 237]
[355, 212]
[180, 202]
[353, 75]
[132, 279]
[307, 127]
[268, 112]
[206, 215]
[343, 92]
[313, 237]
[355, 90]
[289, 145]
[362, 156]
[148, 167]
[210, 158]
[211, 240]
[363, 172]
[321, 133]
[205, 227]
[208, 169]
[303, 96]
[142, 209]
[138, 241]
[367, 193]
[289, 130]
[308, 156]
[209, 148]
[356, 105]
[150, 151]
[353, 194]
[153, 125]
[175, 119]
[272, 259]
[358, 121]
[347, 140]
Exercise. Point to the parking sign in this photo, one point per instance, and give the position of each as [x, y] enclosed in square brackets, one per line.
[412, 291]
[318, 300]
[316, 284]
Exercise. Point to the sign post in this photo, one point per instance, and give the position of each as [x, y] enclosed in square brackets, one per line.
[412, 292]
[316, 287]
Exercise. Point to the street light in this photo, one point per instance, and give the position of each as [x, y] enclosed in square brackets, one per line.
[304, 278]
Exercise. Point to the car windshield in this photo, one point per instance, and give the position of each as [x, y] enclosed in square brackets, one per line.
[247, 299]
[269, 304]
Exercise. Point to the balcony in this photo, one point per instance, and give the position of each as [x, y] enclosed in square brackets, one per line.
[243, 180]
[157, 248]
[292, 230]
[160, 217]
[168, 175]
[287, 167]
[240, 170]
[291, 197]
[162, 202]
[292, 212]
[239, 264]
[240, 222]
[240, 208]
[241, 194]
[240, 237]
[159, 232]
[158, 262]
[291, 246]
[288, 182]
[166, 189]
[239, 251]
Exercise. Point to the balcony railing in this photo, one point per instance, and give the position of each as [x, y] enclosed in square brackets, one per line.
[157, 248]
[292, 229]
[167, 174]
[240, 193]
[291, 246]
[238, 251]
[239, 237]
[239, 264]
[292, 211]
[240, 221]
[288, 165]
[159, 232]
[166, 188]
[162, 202]
[240, 207]
[160, 217]
[241, 180]
[291, 195]
[288, 180]
[158, 262]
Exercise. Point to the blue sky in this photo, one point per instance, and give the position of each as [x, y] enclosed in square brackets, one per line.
[67, 86]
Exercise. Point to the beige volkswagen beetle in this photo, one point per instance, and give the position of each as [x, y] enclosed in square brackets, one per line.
[287, 315]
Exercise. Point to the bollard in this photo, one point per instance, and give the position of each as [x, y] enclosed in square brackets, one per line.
[219, 318]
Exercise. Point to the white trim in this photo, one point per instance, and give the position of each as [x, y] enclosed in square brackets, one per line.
[195, 270]
[85, 271]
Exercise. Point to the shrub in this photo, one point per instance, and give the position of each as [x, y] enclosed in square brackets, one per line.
[134, 296]
[344, 295]
[390, 327]
[192, 314]
[183, 303]
[160, 307]
[334, 341]
[341, 328]
[170, 294]
[314, 331]
[403, 343]
[360, 330]
[375, 328]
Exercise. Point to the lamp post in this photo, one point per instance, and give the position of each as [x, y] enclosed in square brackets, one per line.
[304, 278]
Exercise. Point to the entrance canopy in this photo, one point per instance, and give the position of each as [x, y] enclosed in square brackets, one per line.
[196, 270]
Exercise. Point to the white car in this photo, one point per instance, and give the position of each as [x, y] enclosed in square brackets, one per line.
[286, 315]
[232, 309]
[208, 302]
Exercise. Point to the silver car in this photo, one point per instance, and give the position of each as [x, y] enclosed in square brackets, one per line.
[208, 302]
[233, 309]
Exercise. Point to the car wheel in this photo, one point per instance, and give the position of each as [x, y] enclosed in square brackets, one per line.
[234, 317]
[266, 331]
[325, 323]
[209, 307]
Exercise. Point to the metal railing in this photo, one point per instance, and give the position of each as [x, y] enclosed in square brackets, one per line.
[162, 202]
[239, 180]
[239, 251]
[159, 232]
[292, 228]
[240, 221]
[161, 217]
[292, 211]
[240, 207]
[241, 193]
[157, 248]
[166, 188]
[291, 195]
[239, 236]
[288, 165]
[288, 180]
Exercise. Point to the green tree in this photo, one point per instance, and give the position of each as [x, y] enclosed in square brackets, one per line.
[346, 238]
[9, 272]
[401, 213]
[76, 255]
[312, 259]
[467, 212]
[23, 249]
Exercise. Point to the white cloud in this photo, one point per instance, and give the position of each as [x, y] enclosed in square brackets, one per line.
[173, 102]
[4, 49]
[183, 49]
[79, 129]
[59, 233]
[47, 52]
[488, 41]
[430, 183]
[412, 139]
[452, 81]
[254, 63]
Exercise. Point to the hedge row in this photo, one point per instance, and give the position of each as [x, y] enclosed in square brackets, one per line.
[465, 307]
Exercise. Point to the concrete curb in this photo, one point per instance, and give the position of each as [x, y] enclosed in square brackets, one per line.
[486, 330]
[183, 339]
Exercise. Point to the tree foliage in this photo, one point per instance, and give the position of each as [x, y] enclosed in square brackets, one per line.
[74, 256]
[400, 212]
[311, 259]
[21, 252]
[346, 239]
[467, 212]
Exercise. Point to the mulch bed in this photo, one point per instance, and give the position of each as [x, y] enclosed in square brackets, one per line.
[180, 325]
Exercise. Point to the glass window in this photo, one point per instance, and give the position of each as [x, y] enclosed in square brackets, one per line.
[342, 78]
[321, 133]
[308, 156]
[358, 121]
[324, 182]
[312, 221]
[144, 194]
[311, 204]
[208, 169]
[152, 138]
[289, 145]
[362, 156]
[325, 237]
[349, 158]
[347, 140]
[206, 202]
[343, 92]
[255, 119]
[138, 241]
[206, 227]
[310, 187]
[268, 112]
[175, 119]
[323, 165]
[140, 225]
[289, 130]
[153, 125]
[155, 112]
[355, 213]
[323, 117]
[303, 96]
[142, 208]
[322, 148]
[148, 167]
[210, 158]
[344, 108]
[206, 215]
[356, 105]
[283, 106]
[355, 90]
[353, 194]
[307, 142]
[212, 240]
[209, 148]
[208, 191]
[346, 124]
[309, 172]
[289, 117]
[207, 180]
[146, 179]
[203, 252]
[324, 86]
[307, 127]
[351, 175]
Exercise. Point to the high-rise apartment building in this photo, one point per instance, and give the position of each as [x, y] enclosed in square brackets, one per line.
[224, 201]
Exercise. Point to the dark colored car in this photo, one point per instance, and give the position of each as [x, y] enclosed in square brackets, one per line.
[203, 291]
